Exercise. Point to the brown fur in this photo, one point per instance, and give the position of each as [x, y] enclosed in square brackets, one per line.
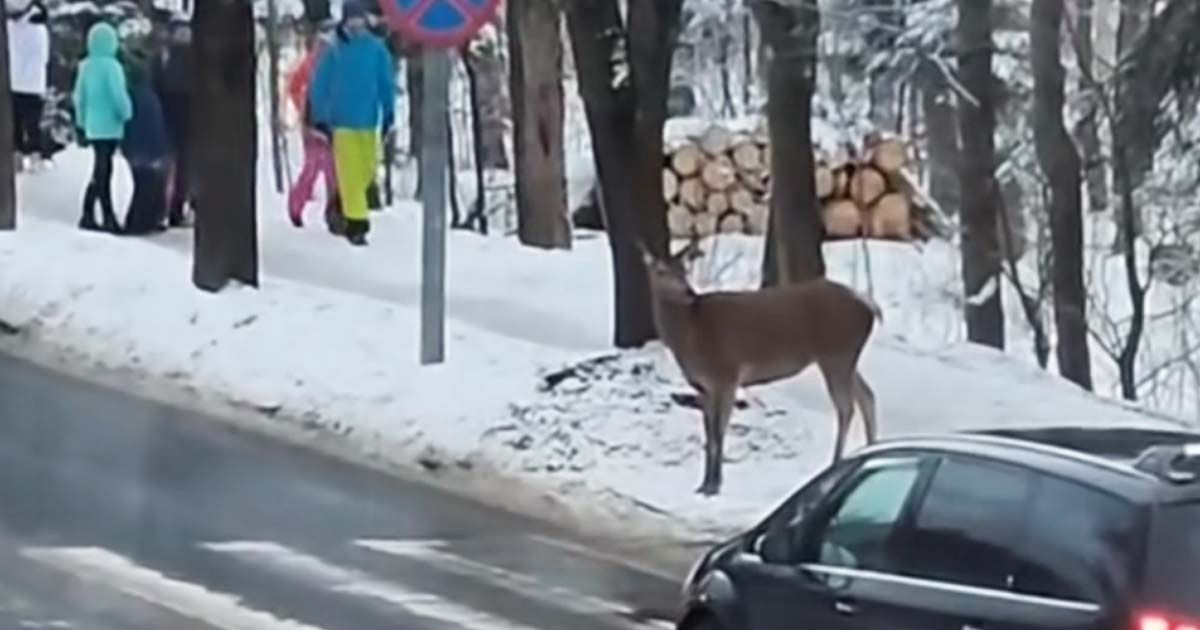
[729, 339]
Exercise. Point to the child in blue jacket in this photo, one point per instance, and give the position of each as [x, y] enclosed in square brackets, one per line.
[146, 148]
[102, 106]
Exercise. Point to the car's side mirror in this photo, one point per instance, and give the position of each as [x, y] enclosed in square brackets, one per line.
[774, 546]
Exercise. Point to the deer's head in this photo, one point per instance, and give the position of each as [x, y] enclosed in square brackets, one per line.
[669, 278]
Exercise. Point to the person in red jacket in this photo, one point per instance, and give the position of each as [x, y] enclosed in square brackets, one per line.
[318, 148]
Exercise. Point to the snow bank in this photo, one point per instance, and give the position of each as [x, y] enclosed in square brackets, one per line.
[520, 398]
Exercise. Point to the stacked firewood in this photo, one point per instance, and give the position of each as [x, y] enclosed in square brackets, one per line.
[720, 182]
[873, 195]
[717, 182]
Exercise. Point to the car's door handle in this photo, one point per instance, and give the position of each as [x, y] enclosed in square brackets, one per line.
[845, 607]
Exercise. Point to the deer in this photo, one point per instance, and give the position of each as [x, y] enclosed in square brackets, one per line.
[726, 340]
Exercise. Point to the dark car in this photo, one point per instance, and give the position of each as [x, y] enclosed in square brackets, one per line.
[1050, 529]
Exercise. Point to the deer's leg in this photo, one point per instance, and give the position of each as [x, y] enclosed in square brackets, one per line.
[839, 380]
[712, 472]
[723, 400]
[718, 406]
[866, 401]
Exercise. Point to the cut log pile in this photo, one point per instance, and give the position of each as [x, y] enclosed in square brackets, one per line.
[717, 182]
[720, 182]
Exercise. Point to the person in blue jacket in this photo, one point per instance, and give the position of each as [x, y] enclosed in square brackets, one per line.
[102, 106]
[353, 93]
[146, 148]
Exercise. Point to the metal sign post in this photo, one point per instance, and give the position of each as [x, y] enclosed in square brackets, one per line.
[439, 26]
[434, 164]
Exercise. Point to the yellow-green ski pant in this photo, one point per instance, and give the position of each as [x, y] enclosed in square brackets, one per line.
[356, 154]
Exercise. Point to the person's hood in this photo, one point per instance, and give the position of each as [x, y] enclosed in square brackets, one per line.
[103, 41]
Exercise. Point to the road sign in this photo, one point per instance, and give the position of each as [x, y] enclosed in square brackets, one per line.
[439, 23]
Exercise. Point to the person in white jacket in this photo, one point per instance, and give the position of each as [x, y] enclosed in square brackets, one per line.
[29, 61]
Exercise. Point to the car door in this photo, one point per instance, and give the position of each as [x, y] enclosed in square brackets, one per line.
[1076, 560]
[944, 558]
[857, 519]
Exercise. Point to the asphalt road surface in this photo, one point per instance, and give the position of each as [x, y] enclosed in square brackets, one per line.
[120, 513]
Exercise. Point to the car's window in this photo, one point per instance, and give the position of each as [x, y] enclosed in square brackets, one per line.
[1079, 543]
[808, 497]
[858, 532]
[1173, 579]
[966, 524]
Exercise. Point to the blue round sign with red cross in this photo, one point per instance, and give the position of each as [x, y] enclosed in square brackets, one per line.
[442, 23]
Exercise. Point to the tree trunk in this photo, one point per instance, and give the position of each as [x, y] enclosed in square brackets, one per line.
[981, 255]
[794, 234]
[724, 44]
[476, 219]
[8, 192]
[623, 79]
[490, 72]
[226, 240]
[941, 137]
[535, 83]
[414, 75]
[747, 60]
[886, 20]
[1060, 163]
[277, 151]
[1157, 46]
[1087, 130]
[1134, 126]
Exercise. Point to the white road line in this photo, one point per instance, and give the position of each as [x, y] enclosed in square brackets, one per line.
[351, 582]
[54, 623]
[524, 585]
[218, 610]
[596, 554]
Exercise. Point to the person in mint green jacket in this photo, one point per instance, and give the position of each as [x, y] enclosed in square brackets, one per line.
[102, 107]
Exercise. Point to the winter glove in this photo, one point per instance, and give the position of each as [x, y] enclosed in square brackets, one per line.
[81, 138]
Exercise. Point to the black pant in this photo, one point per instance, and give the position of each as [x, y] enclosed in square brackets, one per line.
[27, 123]
[100, 188]
[177, 111]
[149, 202]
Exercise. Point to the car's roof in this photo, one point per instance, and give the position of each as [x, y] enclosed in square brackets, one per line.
[1102, 457]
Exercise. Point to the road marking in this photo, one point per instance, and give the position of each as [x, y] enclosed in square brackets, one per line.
[351, 582]
[218, 610]
[524, 585]
[610, 558]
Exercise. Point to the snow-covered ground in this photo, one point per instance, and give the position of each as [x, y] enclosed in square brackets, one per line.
[531, 393]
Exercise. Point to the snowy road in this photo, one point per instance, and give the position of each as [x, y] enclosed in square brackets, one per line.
[120, 513]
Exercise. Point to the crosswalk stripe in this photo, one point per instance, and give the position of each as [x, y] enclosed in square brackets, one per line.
[351, 582]
[524, 585]
[218, 610]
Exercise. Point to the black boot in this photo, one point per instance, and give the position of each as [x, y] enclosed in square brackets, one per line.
[87, 221]
[334, 219]
[374, 201]
[356, 232]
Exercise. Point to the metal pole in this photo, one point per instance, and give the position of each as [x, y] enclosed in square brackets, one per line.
[8, 191]
[434, 165]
